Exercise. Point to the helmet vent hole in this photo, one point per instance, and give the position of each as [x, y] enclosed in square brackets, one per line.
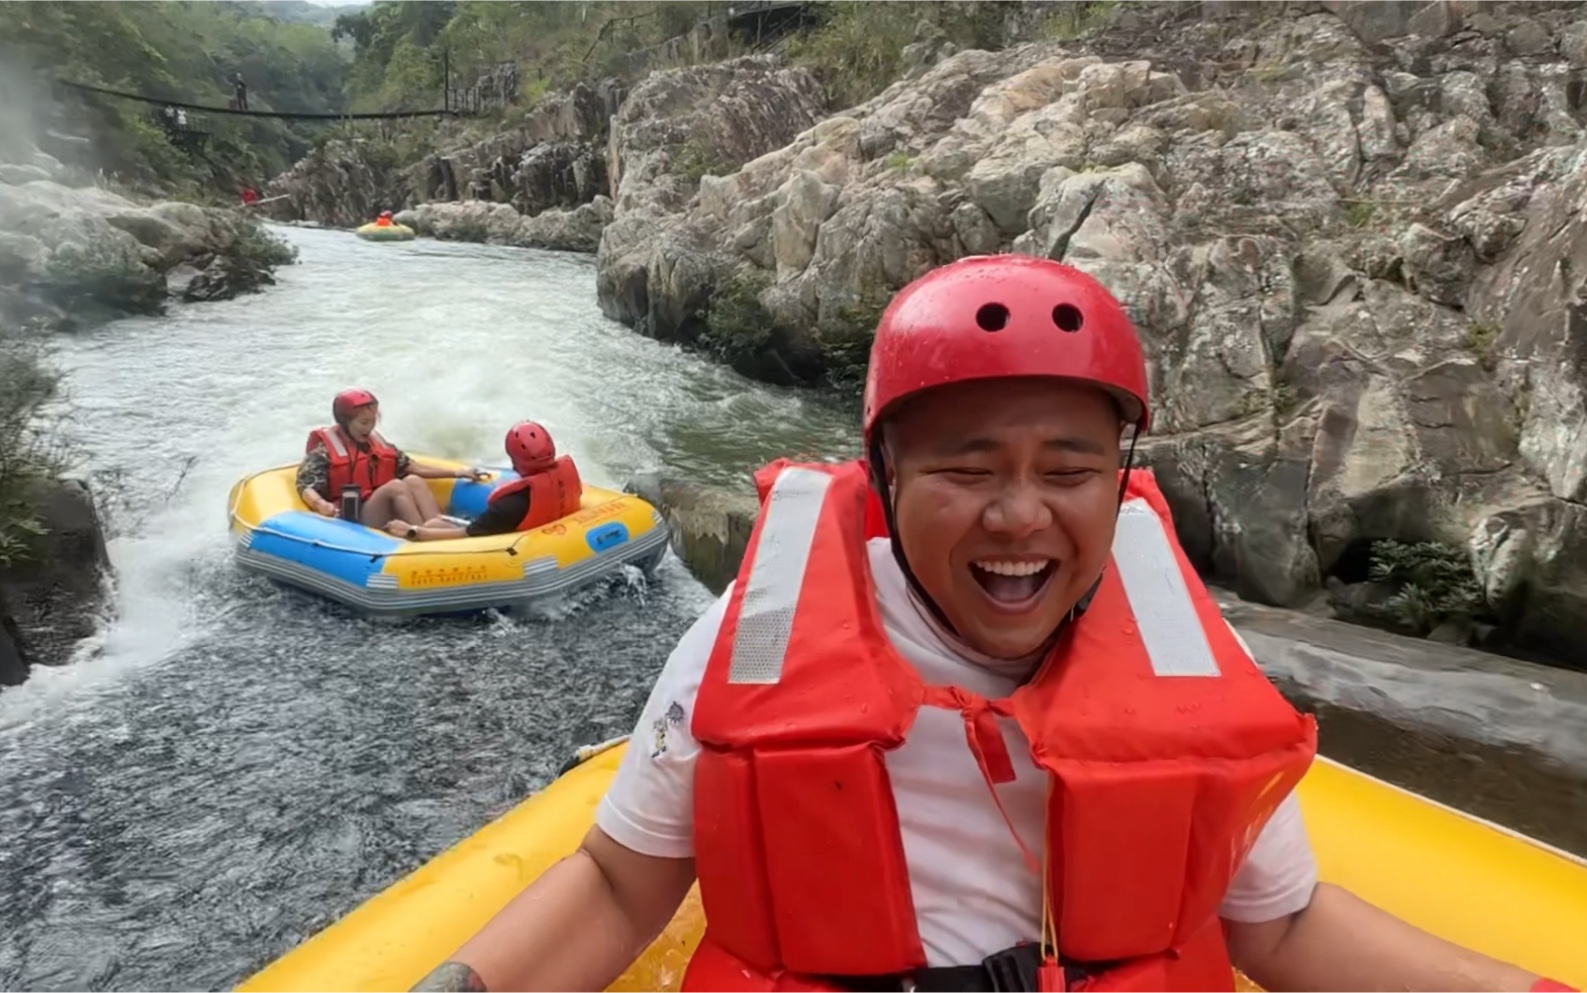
[1068, 317]
[992, 317]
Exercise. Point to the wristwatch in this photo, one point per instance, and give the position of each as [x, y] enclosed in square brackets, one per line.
[413, 533]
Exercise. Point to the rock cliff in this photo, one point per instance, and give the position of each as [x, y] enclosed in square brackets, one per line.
[70, 254]
[53, 599]
[1347, 232]
[551, 161]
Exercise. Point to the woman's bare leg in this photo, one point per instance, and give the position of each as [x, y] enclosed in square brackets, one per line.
[423, 499]
[389, 503]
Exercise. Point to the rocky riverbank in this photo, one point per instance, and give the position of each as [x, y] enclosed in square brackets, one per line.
[71, 255]
[54, 596]
[541, 181]
[1347, 233]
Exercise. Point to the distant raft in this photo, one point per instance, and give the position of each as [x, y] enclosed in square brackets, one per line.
[385, 232]
[380, 575]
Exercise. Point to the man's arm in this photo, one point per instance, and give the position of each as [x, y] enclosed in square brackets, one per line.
[577, 927]
[580, 925]
[1341, 942]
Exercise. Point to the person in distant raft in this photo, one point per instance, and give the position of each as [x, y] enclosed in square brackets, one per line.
[547, 489]
[967, 719]
[351, 453]
[384, 220]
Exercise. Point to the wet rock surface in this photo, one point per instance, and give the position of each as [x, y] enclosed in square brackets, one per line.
[54, 597]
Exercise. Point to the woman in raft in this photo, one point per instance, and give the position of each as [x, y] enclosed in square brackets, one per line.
[352, 453]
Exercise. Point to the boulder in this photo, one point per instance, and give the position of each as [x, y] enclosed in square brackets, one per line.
[74, 255]
[14, 660]
[343, 183]
[710, 527]
[55, 596]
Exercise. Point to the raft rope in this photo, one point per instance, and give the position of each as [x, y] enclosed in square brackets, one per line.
[286, 114]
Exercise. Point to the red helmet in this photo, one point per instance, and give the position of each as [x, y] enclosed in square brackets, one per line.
[350, 402]
[1000, 316]
[530, 447]
[385, 213]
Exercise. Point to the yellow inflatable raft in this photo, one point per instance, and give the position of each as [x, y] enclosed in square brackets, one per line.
[1462, 878]
[385, 232]
[278, 536]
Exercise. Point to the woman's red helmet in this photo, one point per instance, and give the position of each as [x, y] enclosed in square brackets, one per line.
[1003, 316]
[385, 213]
[530, 448]
[349, 402]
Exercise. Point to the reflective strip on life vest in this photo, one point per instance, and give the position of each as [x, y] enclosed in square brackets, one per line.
[782, 552]
[1143, 554]
[333, 438]
[1155, 586]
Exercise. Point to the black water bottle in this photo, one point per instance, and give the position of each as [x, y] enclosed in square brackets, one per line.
[352, 503]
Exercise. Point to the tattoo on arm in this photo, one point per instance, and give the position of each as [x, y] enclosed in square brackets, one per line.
[450, 976]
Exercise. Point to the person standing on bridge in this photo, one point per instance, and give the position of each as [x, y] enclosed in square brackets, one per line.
[967, 719]
[241, 91]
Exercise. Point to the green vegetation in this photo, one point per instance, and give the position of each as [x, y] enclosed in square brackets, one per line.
[402, 50]
[1481, 336]
[1431, 582]
[1285, 399]
[100, 280]
[188, 51]
[31, 450]
[697, 159]
[1072, 21]
[1359, 213]
[737, 326]
[857, 49]
[846, 342]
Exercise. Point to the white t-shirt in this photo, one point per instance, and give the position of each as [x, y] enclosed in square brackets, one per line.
[974, 893]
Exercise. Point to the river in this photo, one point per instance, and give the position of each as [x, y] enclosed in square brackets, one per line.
[232, 766]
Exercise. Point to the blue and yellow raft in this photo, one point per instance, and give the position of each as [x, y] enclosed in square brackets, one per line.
[278, 536]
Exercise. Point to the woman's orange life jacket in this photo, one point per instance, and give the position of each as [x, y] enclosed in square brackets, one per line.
[370, 466]
[554, 493]
[382, 222]
[1168, 751]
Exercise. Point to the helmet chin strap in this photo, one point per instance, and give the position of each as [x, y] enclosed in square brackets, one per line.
[878, 463]
[878, 459]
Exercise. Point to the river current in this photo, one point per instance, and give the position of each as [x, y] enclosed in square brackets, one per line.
[231, 766]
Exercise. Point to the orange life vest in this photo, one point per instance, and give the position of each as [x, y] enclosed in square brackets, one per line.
[554, 493]
[383, 222]
[1168, 751]
[370, 466]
